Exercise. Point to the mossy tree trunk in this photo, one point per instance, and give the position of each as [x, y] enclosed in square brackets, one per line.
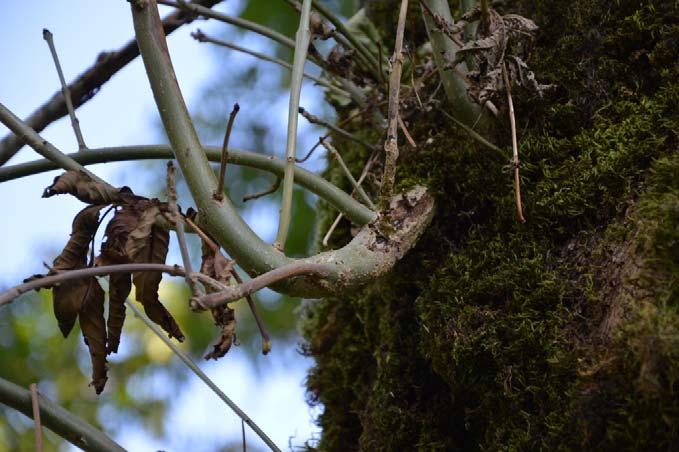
[561, 333]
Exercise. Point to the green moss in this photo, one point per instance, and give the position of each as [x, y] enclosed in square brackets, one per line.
[560, 333]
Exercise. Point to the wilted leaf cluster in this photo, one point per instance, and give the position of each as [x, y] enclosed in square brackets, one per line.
[501, 42]
[132, 236]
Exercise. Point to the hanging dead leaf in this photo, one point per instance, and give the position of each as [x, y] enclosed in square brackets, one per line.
[225, 319]
[80, 185]
[68, 296]
[140, 241]
[123, 222]
[499, 39]
[120, 285]
[217, 266]
[93, 328]
[151, 249]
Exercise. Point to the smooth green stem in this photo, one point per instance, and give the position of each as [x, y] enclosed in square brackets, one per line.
[354, 210]
[200, 374]
[219, 217]
[202, 37]
[444, 49]
[302, 40]
[39, 144]
[361, 260]
[62, 422]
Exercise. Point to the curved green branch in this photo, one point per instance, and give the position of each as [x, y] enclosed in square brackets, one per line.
[60, 421]
[444, 50]
[365, 258]
[354, 210]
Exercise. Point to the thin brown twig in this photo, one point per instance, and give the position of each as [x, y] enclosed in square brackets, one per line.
[268, 191]
[318, 121]
[391, 143]
[35, 404]
[357, 188]
[364, 173]
[404, 129]
[515, 148]
[88, 84]
[340, 124]
[219, 194]
[10, 294]
[176, 218]
[266, 340]
[49, 38]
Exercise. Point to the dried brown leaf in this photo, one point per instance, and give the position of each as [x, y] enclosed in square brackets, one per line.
[68, 296]
[123, 222]
[80, 185]
[225, 319]
[152, 249]
[140, 239]
[74, 254]
[93, 328]
[217, 266]
[120, 285]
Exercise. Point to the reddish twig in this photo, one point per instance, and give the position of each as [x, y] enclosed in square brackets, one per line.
[515, 148]
[219, 194]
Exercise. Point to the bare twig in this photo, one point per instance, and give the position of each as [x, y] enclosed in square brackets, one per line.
[341, 124]
[335, 153]
[35, 405]
[391, 143]
[10, 294]
[290, 270]
[364, 173]
[219, 194]
[331, 229]
[266, 340]
[515, 148]
[404, 129]
[303, 38]
[198, 35]
[84, 87]
[47, 36]
[268, 191]
[474, 134]
[318, 121]
[200, 374]
[176, 217]
[242, 428]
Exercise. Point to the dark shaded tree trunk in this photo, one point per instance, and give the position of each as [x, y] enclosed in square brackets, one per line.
[561, 333]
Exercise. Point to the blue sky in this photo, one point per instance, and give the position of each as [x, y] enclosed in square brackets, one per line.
[123, 113]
